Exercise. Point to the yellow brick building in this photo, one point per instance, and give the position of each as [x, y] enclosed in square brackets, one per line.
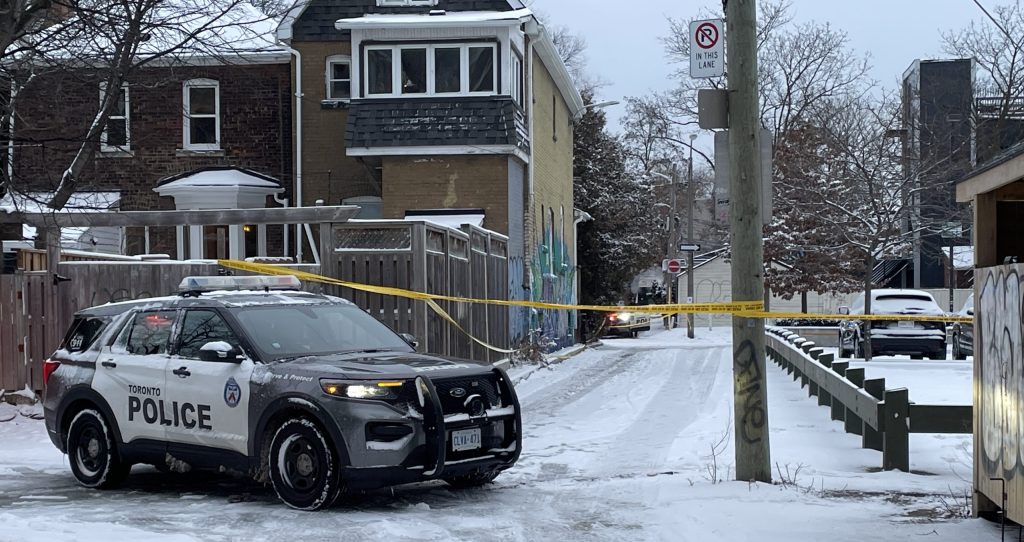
[446, 106]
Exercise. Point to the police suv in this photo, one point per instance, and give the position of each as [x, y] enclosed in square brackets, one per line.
[250, 375]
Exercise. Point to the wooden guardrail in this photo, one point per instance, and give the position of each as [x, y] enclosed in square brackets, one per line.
[884, 418]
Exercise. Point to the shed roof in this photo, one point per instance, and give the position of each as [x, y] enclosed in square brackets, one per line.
[1003, 169]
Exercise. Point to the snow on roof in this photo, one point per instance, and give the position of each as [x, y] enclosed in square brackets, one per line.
[79, 202]
[454, 222]
[440, 18]
[219, 177]
[963, 257]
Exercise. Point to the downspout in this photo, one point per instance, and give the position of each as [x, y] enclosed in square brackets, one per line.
[533, 32]
[579, 217]
[10, 136]
[298, 149]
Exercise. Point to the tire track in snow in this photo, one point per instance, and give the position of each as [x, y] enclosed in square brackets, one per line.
[682, 396]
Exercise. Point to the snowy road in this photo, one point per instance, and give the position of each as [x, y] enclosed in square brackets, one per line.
[618, 446]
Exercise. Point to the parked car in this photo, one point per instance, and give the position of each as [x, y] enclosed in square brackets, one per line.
[304, 391]
[963, 333]
[627, 324]
[892, 337]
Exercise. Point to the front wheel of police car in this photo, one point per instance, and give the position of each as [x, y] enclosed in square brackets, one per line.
[93, 454]
[302, 466]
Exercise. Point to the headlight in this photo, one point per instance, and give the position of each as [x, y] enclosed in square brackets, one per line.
[362, 389]
[625, 316]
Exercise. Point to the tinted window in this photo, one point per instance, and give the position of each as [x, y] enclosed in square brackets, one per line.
[201, 327]
[905, 297]
[297, 330]
[83, 333]
[149, 333]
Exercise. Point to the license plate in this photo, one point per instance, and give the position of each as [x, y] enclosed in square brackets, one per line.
[905, 324]
[466, 439]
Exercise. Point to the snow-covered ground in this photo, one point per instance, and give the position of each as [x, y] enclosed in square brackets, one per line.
[618, 446]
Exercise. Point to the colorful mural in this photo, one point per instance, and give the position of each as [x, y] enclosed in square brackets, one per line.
[552, 273]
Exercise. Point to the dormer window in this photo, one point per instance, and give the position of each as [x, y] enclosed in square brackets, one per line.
[403, 3]
[466, 69]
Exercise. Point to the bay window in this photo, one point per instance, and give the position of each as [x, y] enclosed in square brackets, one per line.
[435, 70]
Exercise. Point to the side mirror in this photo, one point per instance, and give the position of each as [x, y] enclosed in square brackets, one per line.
[844, 310]
[411, 340]
[219, 351]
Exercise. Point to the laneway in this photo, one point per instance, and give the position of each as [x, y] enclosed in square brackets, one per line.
[621, 443]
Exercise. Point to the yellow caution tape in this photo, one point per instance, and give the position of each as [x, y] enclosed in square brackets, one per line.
[701, 308]
[444, 314]
[871, 317]
[742, 309]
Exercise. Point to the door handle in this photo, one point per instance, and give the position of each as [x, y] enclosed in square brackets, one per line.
[109, 364]
[182, 372]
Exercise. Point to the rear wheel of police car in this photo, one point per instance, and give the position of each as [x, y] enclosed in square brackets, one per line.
[302, 466]
[93, 453]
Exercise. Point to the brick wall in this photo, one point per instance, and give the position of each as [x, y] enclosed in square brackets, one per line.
[55, 113]
[327, 173]
[436, 182]
[552, 155]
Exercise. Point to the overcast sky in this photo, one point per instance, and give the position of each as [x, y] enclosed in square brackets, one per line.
[623, 46]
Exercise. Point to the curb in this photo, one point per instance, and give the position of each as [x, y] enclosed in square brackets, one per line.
[567, 353]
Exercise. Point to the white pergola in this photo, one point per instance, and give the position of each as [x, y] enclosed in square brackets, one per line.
[220, 187]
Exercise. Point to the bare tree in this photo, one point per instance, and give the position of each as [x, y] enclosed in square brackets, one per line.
[801, 67]
[864, 191]
[997, 46]
[107, 42]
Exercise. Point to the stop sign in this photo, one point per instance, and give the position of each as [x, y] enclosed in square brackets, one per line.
[674, 266]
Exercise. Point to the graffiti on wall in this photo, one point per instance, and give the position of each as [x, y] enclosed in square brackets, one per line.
[552, 274]
[999, 345]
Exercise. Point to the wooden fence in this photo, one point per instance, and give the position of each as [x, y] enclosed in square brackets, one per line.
[884, 418]
[33, 319]
[36, 310]
[425, 257]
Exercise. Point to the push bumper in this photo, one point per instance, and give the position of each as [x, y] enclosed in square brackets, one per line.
[436, 458]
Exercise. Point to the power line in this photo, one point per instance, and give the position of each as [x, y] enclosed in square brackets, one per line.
[997, 23]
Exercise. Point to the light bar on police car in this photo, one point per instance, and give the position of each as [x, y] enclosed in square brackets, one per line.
[210, 284]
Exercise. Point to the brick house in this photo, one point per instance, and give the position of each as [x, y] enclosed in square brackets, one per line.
[187, 113]
[458, 106]
[404, 107]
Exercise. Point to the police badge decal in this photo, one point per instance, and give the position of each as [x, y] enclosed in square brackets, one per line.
[232, 393]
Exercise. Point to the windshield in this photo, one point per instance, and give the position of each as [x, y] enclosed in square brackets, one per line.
[899, 303]
[288, 331]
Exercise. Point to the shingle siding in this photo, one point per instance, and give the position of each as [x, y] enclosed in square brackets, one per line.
[428, 122]
[317, 22]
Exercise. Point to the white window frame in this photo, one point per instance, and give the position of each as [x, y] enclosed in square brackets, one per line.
[127, 147]
[329, 76]
[517, 85]
[396, 69]
[404, 3]
[187, 117]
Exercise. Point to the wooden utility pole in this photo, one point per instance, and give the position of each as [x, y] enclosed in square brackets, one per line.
[753, 459]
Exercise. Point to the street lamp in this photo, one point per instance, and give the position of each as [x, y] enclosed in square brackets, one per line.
[669, 319]
[600, 105]
[689, 239]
